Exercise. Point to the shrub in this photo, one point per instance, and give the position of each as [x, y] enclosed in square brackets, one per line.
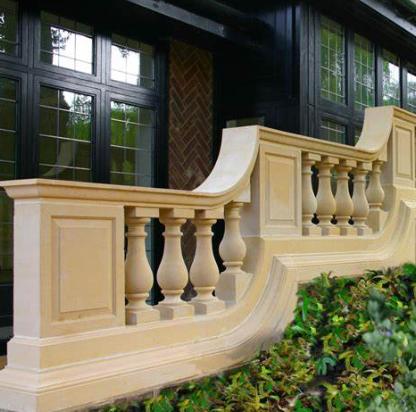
[351, 347]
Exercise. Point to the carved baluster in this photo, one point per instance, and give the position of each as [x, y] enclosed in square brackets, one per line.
[309, 202]
[375, 196]
[204, 271]
[345, 205]
[326, 201]
[139, 275]
[172, 274]
[233, 280]
[359, 198]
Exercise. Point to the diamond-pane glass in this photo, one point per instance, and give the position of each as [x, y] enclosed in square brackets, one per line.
[411, 88]
[334, 132]
[8, 132]
[9, 22]
[332, 61]
[391, 79]
[132, 62]
[66, 120]
[67, 43]
[364, 73]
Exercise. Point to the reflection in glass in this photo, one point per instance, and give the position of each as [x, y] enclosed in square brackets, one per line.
[332, 61]
[65, 134]
[411, 88]
[132, 62]
[66, 43]
[8, 131]
[132, 131]
[391, 79]
[9, 19]
[334, 132]
[364, 73]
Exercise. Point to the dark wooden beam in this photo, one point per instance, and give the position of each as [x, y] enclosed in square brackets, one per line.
[196, 21]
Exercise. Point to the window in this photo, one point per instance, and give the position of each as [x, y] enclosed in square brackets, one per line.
[66, 43]
[9, 27]
[65, 135]
[56, 112]
[334, 132]
[411, 88]
[132, 62]
[132, 144]
[332, 61]
[8, 131]
[364, 90]
[350, 73]
[391, 79]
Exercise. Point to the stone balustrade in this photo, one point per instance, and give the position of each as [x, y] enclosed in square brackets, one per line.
[340, 213]
[84, 329]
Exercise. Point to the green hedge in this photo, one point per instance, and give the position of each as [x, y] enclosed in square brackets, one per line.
[351, 347]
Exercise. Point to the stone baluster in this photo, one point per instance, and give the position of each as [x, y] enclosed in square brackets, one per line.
[375, 196]
[326, 201]
[204, 273]
[139, 275]
[345, 205]
[172, 274]
[359, 198]
[309, 202]
[233, 280]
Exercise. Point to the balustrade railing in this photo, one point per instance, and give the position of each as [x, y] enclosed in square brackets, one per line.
[72, 277]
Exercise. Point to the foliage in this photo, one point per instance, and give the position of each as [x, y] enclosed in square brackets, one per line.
[350, 347]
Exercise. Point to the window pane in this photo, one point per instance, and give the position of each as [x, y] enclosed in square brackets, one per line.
[334, 132]
[391, 79]
[132, 62]
[8, 113]
[9, 18]
[66, 120]
[67, 43]
[364, 73]
[132, 150]
[411, 88]
[332, 61]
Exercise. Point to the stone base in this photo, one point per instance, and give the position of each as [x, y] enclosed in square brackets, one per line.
[142, 316]
[348, 230]
[231, 286]
[364, 231]
[170, 312]
[331, 230]
[311, 230]
[206, 308]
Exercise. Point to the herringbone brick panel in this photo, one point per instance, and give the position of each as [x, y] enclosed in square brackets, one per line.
[190, 124]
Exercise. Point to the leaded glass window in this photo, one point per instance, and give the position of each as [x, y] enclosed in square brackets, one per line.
[363, 73]
[67, 43]
[66, 121]
[132, 145]
[332, 61]
[391, 79]
[8, 132]
[9, 20]
[334, 132]
[132, 62]
[411, 88]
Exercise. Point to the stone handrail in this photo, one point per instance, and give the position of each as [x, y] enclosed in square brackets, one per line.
[76, 342]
